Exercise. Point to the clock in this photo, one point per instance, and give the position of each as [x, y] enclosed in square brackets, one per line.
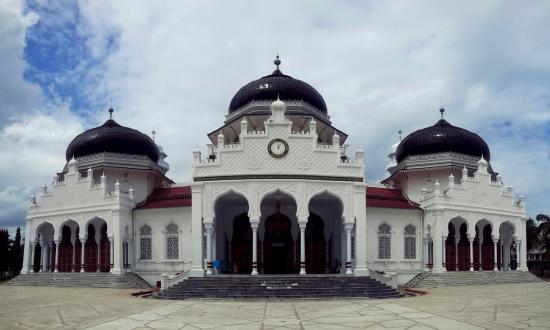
[277, 148]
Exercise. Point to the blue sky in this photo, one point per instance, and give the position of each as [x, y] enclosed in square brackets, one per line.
[174, 66]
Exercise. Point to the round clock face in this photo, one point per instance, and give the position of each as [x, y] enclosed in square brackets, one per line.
[277, 148]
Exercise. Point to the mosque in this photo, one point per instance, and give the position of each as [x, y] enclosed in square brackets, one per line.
[278, 192]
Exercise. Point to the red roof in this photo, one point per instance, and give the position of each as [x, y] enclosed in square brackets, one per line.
[390, 198]
[168, 197]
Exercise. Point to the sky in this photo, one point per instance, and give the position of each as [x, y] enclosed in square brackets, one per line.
[173, 67]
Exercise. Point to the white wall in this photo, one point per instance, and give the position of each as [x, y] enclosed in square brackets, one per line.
[397, 219]
[158, 220]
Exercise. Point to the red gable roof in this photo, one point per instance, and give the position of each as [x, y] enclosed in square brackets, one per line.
[168, 197]
[390, 198]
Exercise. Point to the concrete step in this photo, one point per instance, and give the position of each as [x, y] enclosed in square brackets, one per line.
[98, 280]
[476, 278]
[279, 287]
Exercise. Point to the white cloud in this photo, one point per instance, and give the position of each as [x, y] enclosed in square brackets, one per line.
[174, 67]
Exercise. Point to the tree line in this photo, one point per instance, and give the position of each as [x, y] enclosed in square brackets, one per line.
[538, 236]
[11, 254]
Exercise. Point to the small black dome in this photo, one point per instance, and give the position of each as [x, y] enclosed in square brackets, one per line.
[275, 85]
[111, 137]
[442, 137]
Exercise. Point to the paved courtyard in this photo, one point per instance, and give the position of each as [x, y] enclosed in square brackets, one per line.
[475, 307]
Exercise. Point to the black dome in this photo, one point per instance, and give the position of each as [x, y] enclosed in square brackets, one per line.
[442, 137]
[277, 84]
[111, 137]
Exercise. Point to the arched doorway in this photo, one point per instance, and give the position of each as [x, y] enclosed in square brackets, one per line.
[316, 250]
[463, 252]
[487, 248]
[278, 244]
[232, 240]
[242, 245]
[90, 251]
[105, 255]
[507, 248]
[65, 257]
[450, 248]
[325, 239]
[44, 250]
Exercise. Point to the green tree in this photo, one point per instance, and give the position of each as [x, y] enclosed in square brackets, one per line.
[544, 234]
[16, 253]
[532, 235]
[4, 250]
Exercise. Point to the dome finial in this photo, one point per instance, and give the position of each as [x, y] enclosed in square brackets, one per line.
[277, 61]
[153, 132]
[111, 112]
[441, 109]
[400, 132]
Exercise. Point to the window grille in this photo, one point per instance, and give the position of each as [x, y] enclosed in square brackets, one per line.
[410, 242]
[172, 242]
[384, 241]
[145, 243]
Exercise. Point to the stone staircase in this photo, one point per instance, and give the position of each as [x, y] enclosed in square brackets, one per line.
[474, 278]
[94, 280]
[285, 286]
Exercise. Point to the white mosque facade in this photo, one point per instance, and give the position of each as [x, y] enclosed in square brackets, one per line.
[277, 193]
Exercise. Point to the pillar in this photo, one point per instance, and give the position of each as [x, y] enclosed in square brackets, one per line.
[480, 252]
[522, 256]
[42, 256]
[208, 229]
[437, 232]
[495, 246]
[348, 228]
[444, 255]
[98, 241]
[82, 263]
[73, 268]
[302, 222]
[26, 248]
[57, 249]
[360, 230]
[111, 253]
[196, 230]
[457, 240]
[254, 223]
[471, 240]
[31, 256]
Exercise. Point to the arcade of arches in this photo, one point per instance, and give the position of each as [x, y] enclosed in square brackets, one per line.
[277, 236]
[71, 251]
[486, 251]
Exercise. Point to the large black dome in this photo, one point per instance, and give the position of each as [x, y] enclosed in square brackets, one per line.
[275, 85]
[442, 137]
[111, 137]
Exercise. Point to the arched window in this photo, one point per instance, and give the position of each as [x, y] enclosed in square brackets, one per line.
[145, 234]
[172, 242]
[410, 242]
[384, 241]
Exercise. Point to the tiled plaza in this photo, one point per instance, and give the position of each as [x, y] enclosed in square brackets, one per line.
[509, 306]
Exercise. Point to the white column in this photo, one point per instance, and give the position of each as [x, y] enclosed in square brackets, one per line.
[444, 255]
[111, 253]
[522, 256]
[208, 229]
[73, 267]
[27, 248]
[254, 223]
[360, 230]
[42, 256]
[495, 241]
[82, 263]
[302, 222]
[348, 228]
[471, 240]
[457, 239]
[98, 241]
[56, 265]
[196, 230]
[31, 256]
